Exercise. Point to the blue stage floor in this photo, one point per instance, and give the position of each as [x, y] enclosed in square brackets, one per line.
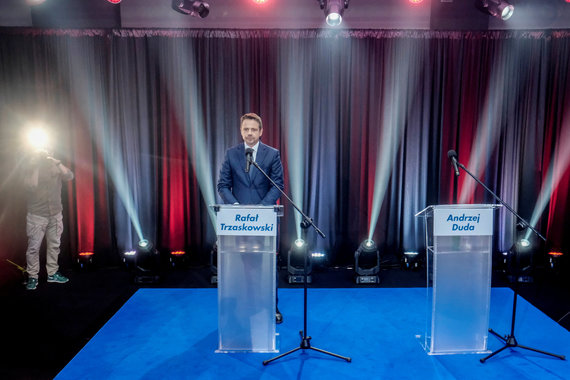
[172, 334]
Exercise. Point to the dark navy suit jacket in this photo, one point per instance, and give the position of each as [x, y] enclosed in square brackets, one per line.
[235, 185]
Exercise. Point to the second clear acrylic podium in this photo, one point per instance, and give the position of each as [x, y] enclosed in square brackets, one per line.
[247, 249]
[459, 240]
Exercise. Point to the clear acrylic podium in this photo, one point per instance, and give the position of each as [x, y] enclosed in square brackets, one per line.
[246, 277]
[459, 242]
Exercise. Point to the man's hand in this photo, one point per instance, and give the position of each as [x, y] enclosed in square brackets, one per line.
[55, 161]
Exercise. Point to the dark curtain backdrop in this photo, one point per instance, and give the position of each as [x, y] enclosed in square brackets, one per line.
[363, 119]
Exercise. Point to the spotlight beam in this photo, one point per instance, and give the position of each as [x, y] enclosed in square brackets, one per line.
[189, 114]
[556, 171]
[398, 85]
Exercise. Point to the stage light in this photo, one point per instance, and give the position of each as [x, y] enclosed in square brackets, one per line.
[296, 262]
[84, 259]
[520, 261]
[554, 259]
[410, 260]
[147, 263]
[367, 263]
[37, 139]
[114, 1]
[414, 2]
[195, 8]
[260, 1]
[497, 8]
[524, 243]
[178, 258]
[333, 10]
[128, 258]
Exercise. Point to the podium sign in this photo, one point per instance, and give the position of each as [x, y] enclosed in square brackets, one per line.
[246, 277]
[252, 222]
[458, 251]
[462, 222]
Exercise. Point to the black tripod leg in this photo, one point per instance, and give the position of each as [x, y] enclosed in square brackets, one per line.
[497, 335]
[492, 354]
[332, 354]
[266, 362]
[561, 357]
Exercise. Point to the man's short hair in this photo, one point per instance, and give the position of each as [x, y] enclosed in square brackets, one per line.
[251, 116]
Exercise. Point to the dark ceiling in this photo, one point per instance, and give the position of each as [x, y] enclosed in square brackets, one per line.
[282, 14]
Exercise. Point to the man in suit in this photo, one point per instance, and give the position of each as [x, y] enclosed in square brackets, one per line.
[235, 185]
[238, 186]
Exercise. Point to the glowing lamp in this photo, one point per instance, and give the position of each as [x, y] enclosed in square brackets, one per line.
[296, 257]
[84, 259]
[554, 259]
[37, 139]
[497, 8]
[334, 10]
[177, 258]
[367, 263]
[147, 263]
[410, 260]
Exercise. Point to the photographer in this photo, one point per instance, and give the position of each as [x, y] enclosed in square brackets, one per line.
[43, 177]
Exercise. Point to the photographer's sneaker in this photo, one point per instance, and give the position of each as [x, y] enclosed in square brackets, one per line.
[32, 283]
[58, 278]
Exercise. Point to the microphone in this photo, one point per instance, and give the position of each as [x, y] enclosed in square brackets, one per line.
[452, 155]
[248, 159]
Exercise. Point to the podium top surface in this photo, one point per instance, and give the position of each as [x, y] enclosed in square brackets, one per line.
[429, 210]
[217, 207]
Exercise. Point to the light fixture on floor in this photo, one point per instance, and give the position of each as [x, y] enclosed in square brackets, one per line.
[178, 258]
[147, 263]
[497, 8]
[295, 263]
[85, 259]
[410, 260]
[367, 263]
[554, 259]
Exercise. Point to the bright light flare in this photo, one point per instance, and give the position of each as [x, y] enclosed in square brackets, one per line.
[334, 19]
[144, 243]
[299, 243]
[37, 138]
[524, 243]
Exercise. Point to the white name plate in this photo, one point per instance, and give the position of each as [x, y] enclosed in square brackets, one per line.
[462, 222]
[246, 222]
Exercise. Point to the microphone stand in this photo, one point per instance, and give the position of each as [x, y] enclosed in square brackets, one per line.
[509, 340]
[305, 224]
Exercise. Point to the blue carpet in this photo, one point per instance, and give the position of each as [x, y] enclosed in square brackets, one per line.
[172, 334]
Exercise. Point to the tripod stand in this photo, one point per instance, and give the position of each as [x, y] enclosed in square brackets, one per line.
[509, 340]
[305, 340]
